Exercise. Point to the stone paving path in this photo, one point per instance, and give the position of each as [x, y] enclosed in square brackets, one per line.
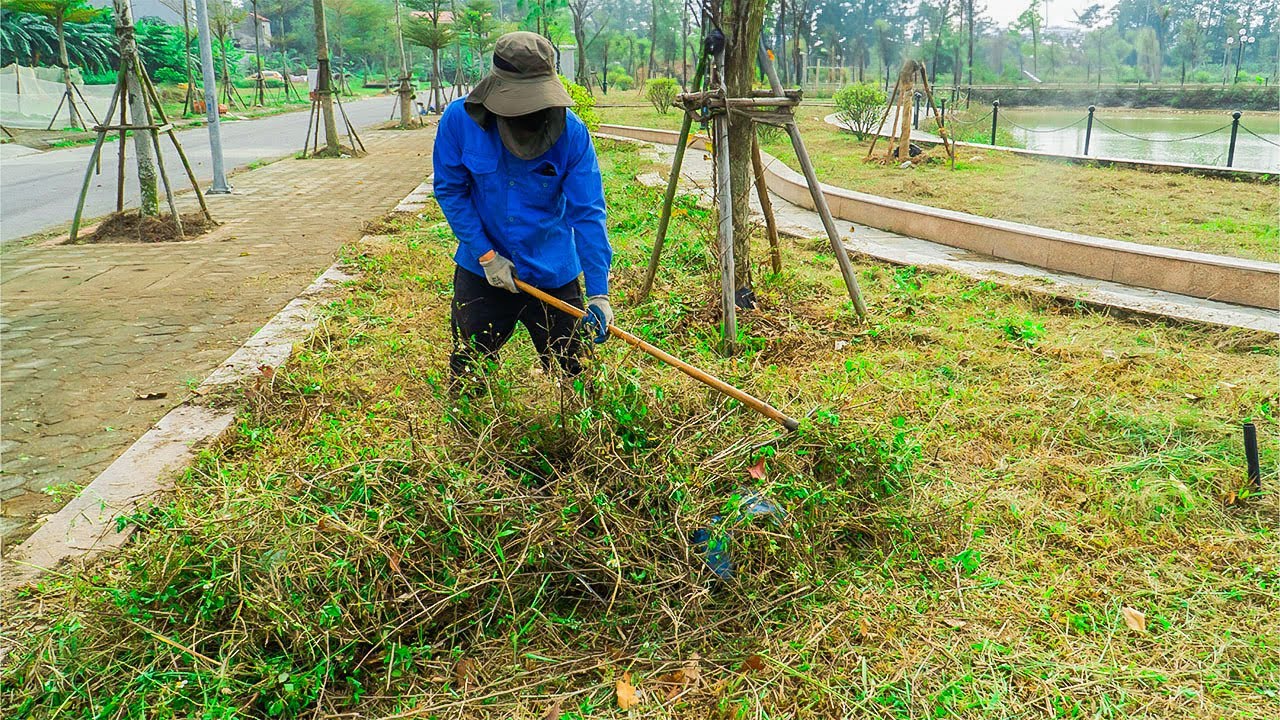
[90, 330]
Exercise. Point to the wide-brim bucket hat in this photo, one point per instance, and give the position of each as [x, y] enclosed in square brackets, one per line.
[523, 79]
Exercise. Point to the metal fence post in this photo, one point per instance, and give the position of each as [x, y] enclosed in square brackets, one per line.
[943, 113]
[995, 116]
[915, 119]
[1235, 127]
[1251, 456]
[1088, 130]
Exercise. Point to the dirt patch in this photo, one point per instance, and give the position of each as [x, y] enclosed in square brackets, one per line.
[427, 123]
[133, 227]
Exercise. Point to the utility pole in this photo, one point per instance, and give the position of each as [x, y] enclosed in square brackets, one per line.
[220, 186]
[324, 80]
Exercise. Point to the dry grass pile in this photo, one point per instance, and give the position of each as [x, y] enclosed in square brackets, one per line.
[996, 507]
[132, 226]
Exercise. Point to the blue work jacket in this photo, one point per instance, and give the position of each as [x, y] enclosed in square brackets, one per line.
[546, 215]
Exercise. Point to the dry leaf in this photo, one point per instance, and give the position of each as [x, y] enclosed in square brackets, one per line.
[754, 663]
[465, 672]
[393, 562]
[693, 669]
[1192, 397]
[326, 525]
[1135, 619]
[627, 695]
[953, 623]
[1230, 498]
[267, 371]
[864, 629]
[757, 471]
[200, 391]
[553, 712]
[153, 396]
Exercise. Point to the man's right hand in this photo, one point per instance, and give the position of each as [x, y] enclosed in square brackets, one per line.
[499, 271]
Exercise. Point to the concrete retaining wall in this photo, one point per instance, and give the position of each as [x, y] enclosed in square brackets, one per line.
[1217, 277]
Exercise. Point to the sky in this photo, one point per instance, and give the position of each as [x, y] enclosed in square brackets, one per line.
[1060, 12]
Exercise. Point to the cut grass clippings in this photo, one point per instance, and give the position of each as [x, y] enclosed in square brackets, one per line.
[987, 489]
[132, 226]
[1181, 211]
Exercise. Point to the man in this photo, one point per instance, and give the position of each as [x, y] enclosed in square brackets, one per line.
[517, 177]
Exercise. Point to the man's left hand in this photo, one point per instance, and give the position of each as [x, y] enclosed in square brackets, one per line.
[599, 317]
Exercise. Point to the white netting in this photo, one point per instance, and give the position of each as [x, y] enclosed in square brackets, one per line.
[29, 98]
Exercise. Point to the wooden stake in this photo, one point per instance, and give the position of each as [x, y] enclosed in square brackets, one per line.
[664, 220]
[815, 192]
[766, 206]
[93, 160]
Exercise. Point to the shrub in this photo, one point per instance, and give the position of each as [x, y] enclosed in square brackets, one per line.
[859, 106]
[620, 80]
[584, 103]
[661, 92]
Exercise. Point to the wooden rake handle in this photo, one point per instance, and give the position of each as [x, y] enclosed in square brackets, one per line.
[701, 376]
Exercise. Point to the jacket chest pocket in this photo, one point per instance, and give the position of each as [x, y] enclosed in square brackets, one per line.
[540, 185]
[483, 168]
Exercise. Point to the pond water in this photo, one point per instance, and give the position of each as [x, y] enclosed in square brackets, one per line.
[1201, 138]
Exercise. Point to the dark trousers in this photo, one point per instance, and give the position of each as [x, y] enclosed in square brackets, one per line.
[484, 317]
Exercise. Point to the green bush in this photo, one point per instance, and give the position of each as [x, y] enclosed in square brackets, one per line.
[620, 80]
[584, 103]
[661, 93]
[859, 106]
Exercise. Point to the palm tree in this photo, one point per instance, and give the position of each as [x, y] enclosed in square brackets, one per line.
[432, 30]
[60, 12]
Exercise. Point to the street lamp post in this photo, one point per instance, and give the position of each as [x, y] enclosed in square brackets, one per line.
[1244, 39]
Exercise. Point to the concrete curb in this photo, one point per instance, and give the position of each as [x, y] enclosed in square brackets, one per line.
[87, 526]
[1213, 277]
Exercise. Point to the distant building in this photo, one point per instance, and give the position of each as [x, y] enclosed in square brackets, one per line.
[150, 9]
[243, 33]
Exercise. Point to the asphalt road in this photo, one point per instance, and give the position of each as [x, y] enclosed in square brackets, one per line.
[38, 191]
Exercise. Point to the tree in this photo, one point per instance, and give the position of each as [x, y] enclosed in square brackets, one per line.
[59, 13]
[1087, 19]
[432, 31]
[742, 22]
[324, 80]
[1030, 20]
[858, 106]
[1149, 56]
[223, 18]
[582, 12]
[940, 25]
[884, 45]
[1190, 45]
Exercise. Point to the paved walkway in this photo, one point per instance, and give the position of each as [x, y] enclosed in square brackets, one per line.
[90, 331]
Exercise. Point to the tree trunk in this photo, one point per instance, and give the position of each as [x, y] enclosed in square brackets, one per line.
[72, 111]
[743, 21]
[188, 101]
[970, 3]
[653, 38]
[260, 86]
[324, 80]
[138, 114]
[406, 88]
[437, 92]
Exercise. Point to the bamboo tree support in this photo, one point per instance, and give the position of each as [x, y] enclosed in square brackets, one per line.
[766, 206]
[150, 100]
[664, 220]
[815, 191]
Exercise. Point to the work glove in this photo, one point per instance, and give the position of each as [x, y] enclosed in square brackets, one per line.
[599, 316]
[500, 272]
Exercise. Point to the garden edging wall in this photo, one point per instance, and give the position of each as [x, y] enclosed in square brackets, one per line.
[1217, 277]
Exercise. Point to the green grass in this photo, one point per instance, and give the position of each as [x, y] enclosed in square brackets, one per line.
[982, 482]
[1171, 210]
